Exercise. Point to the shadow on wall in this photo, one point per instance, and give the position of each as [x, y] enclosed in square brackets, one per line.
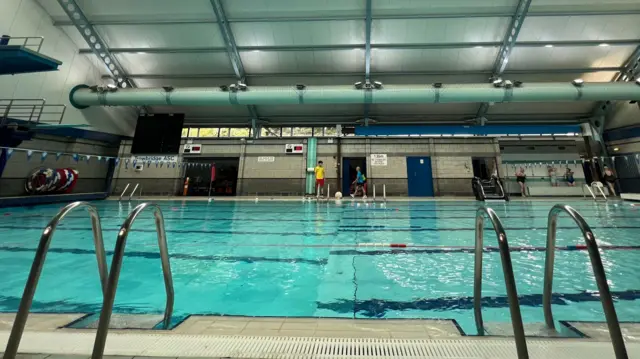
[116, 120]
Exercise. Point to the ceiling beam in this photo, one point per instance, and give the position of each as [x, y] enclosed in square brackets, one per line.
[507, 46]
[97, 46]
[232, 49]
[345, 47]
[367, 57]
[169, 21]
[358, 74]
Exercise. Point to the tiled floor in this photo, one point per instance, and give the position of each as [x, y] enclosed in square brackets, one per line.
[39, 322]
[600, 331]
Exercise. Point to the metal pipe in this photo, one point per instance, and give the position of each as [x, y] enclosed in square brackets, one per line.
[384, 192]
[590, 191]
[598, 271]
[36, 269]
[123, 191]
[509, 279]
[114, 275]
[134, 191]
[374, 192]
[328, 191]
[82, 96]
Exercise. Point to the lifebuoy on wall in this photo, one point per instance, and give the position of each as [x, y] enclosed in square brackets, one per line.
[49, 180]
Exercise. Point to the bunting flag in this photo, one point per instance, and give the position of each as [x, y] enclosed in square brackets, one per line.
[161, 164]
[134, 163]
[10, 152]
[99, 158]
[88, 158]
[29, 154]
[43, 156]
[126, 163]
[148, 163]
[174, 165]
[117, 161]
[75, 157]
[58, 154]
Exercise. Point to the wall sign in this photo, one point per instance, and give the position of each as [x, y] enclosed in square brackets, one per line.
[297, 148]
[266, 159]
[379, 159]
[155, 158]
[192, 148]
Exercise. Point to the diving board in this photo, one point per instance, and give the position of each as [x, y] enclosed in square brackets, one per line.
[20, 55]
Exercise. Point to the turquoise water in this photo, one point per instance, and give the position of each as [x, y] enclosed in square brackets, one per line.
[302, 259]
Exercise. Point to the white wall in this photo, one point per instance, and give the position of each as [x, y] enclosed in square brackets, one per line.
[22, 18]
[624, 115]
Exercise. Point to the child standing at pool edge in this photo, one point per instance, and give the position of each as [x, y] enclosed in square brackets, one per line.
[319, 170]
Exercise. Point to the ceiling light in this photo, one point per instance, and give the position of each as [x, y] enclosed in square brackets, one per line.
[548, 45]
[578, 82]
[508, 84]
[242, 86]
[123, 85]
[377, 84]
[497, 82]
[603, 45]
[112, 87]
[255, 50]
[616, 149]
[638, 81]
[233, 88]
[358, 85]
[478, 47]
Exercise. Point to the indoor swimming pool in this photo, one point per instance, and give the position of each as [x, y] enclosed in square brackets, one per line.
[301, 259]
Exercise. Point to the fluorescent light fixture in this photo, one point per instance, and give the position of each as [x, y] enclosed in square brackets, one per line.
[578, 82]
[377, 84]
[112, 87]
[497, 82]
[478, 47]
[616, 149]
[603, 44]
[548, 45]
[358, 85]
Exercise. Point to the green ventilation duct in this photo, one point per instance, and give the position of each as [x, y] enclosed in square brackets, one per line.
[82, 96]
[312, 146]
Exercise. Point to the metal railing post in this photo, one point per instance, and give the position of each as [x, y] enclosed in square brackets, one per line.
[374, 192]
[134, 191]
[36, 269]
[384, 192]
[509, 279]
[124, 191]
[328, 191]
[598, 271]
[114, 275]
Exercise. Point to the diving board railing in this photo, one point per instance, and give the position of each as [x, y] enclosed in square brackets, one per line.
[598, 271]
[114, 275]
[509, 279]
[36, 269]
[31, 111]
[28, 42]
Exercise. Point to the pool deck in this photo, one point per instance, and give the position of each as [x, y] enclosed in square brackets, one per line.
[249, 337]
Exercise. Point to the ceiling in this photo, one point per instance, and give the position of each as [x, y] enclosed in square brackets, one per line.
[324, 42]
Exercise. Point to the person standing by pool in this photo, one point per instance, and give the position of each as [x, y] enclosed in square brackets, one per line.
[521, 178]
[359, 184]
[319, 171]
[610, 180]
[568, 176]
[553, 175]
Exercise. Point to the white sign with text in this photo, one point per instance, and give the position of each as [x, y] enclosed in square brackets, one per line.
[379, 159]
[155, 158]
[266, 159]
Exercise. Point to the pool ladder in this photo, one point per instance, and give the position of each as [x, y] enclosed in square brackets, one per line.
[108, 279]
[611, 317]
[132, 192]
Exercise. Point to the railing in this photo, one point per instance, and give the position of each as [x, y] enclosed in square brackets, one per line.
[509, 279]
[134, 191]
[124, 191]
[6, 40]
[114, 275]
[598, 271]
[36, 269]
[31, 111]
[384, 192]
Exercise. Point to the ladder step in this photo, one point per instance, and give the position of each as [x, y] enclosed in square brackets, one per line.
[600, 330]
[540, 330]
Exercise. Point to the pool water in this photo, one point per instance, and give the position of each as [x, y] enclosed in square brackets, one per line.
[307, 260]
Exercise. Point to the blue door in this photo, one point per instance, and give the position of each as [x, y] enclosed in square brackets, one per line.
[419, 177]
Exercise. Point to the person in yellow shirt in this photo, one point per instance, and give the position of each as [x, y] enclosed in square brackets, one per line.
[319, 170]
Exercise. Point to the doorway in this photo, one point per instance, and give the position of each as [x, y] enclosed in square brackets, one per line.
[226, 176]
[349, 172]
[419, 177]
[483, 167]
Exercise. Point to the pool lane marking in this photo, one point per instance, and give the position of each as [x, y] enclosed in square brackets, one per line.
[357, 228]
[213, 231]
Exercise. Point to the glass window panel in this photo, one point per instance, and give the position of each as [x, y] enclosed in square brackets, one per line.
[193, 132]
[318, 131]
[224, 132]
[303, 131]
[330, 132]
[270, 132]
[240, 132]
[286, 132]
[185, 132]
[209, 132]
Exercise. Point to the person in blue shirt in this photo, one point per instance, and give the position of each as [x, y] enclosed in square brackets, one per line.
[360, 184]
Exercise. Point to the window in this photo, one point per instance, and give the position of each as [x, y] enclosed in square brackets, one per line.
[270, 132]
[318, 131]
[193, 132]
[286, 132]
[330, 132]
[303, 131]
[224, 132]
[209, 132]
[185, 132]
[240, 132]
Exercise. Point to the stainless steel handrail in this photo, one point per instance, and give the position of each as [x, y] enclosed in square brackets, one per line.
[26, 39]
[598, 270]
[509, 279]
[134, 191]
[124, 191]
[114, 275]
[36, 269]
[484, 196]
[500, 186]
